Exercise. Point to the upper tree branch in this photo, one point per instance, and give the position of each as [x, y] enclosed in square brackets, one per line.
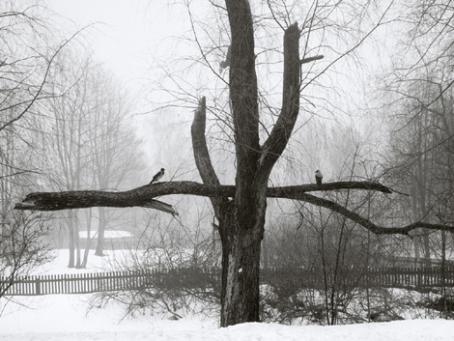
[282, 130]
[201, 154]
[243, 92]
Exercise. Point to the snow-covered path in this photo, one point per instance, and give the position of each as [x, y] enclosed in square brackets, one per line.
[65, 317]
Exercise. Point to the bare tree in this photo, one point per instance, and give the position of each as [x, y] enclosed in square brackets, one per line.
[422, 134]
[88, 141]
[240, 209]
[114, 152]
[26, 60]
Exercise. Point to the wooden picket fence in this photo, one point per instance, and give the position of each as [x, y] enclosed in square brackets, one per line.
[373, 277]
[83, 283]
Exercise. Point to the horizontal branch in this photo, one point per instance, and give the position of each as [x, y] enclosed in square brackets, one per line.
[142, 196]
[292, 192]
[374, 228]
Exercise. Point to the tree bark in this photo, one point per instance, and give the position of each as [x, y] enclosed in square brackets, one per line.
[241, 258]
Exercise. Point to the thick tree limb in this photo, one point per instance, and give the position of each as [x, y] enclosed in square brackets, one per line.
[282, 130]
[201, 154]
[143, 196]
[243, 96]
[374, 228]
[53, 201]
[290, 192]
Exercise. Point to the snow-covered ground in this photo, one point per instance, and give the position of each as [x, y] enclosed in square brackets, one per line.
[113, 259]
[68, 317]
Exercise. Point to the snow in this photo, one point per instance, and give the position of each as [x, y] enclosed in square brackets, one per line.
[65, 317]
[112, 260]
[110, 234]
[69, 317]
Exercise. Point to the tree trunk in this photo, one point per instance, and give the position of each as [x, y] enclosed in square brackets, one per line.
[71, 246]
[88, 242]
[240, 269]
[101, 228]
[241, 237]
[77, 240]
[241, 296]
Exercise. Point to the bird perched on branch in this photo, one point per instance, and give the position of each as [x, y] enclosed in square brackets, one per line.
[157, 176]
[318, 177]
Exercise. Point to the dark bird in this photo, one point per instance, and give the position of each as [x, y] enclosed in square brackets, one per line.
[318, 177]
[157, 176]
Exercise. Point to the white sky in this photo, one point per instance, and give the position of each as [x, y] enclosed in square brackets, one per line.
[126, 34]
[130, 36]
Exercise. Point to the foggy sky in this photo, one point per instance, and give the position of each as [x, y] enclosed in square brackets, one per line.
[133, 37]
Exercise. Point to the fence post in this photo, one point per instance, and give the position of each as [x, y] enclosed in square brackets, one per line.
[37, 286]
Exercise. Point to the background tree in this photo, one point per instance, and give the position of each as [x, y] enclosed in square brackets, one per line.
[113, 146]
[27, 57]
[420, 88]
[88, 142]
[67, 140]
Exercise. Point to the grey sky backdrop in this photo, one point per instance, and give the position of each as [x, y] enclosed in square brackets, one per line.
[125, 36]
[135, 38]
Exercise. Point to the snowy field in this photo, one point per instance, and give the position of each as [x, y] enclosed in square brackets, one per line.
[69, 317]
[113, 259]
[66, 317]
